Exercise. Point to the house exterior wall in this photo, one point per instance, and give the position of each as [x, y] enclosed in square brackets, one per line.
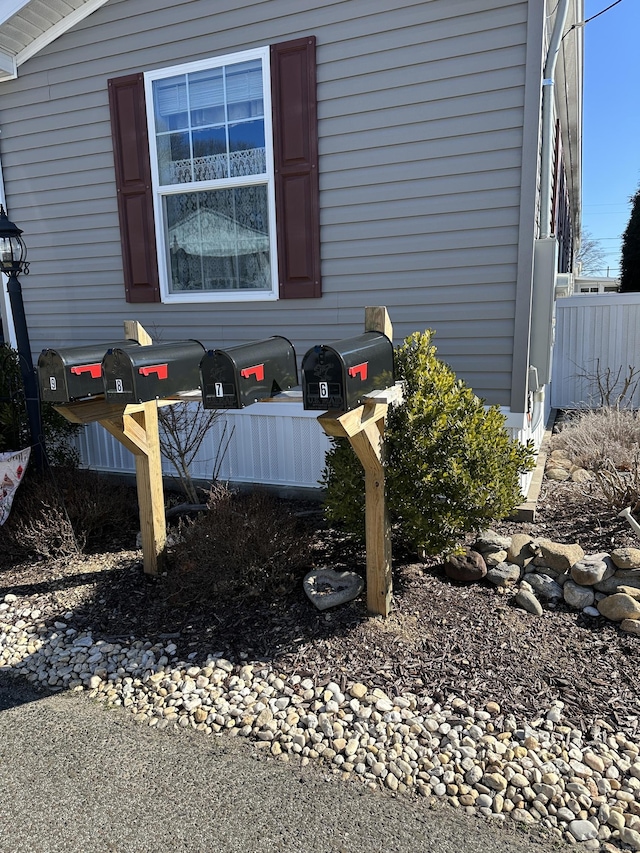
[421, 109]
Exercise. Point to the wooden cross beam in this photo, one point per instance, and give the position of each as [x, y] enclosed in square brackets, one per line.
[136, 427]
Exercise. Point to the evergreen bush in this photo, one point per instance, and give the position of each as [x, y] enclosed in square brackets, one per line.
[451, 465]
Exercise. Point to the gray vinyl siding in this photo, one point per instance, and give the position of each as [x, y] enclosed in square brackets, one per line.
[420, 139]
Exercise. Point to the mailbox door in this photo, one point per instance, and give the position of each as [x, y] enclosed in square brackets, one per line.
[323, 380]
[72, 373]
[218, 381]
[117, 376]
[368, 365]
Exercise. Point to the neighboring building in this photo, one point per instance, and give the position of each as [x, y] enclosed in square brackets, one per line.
[599, 284]
[169, 162]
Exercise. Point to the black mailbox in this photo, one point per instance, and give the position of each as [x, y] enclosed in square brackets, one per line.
[74, 372]
[338, 375]
[242, 375]
[151, 372]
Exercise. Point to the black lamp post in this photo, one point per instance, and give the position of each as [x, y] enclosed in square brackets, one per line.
[13, 260]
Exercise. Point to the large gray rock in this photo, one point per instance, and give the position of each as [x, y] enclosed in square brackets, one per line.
[556, 555]
[519, 552]
[592, 569]
[528, 602]
[489, 541]
[623, 577]
[578, 596]
[626, 558]
[619, 606]
[544, 586]
[504, 574]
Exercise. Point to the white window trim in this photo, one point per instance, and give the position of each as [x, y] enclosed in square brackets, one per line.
[158, 209]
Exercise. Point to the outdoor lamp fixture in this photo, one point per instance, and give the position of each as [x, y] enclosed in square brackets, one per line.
[13, 260]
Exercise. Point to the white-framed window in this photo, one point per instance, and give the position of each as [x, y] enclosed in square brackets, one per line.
[211, 150]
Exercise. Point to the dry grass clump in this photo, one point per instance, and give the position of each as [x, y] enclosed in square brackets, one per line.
[594, 439]
[247, 544]
[605, 441]
[65, 512]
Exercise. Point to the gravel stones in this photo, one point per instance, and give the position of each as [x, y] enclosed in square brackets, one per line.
[538, 772]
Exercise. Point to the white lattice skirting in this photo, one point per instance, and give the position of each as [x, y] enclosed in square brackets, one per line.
[276, 444]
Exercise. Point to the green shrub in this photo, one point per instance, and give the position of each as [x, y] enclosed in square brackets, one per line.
[450, 463]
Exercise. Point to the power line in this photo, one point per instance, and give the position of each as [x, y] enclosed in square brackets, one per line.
[586, 21]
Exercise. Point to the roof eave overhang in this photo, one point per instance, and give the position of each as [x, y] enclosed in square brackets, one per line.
[9, 64]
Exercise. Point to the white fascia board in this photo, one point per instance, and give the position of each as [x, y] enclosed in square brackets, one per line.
[8, 67]
[11, 8]
[58, 30]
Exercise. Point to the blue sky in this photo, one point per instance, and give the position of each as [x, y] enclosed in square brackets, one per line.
[611, 141]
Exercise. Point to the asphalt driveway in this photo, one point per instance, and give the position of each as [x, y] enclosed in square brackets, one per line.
[77, 777]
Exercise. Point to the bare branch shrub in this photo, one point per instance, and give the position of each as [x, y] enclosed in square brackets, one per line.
[621, 488]
[64, 514]
[611, 388]
[244, 543]
[184, 428]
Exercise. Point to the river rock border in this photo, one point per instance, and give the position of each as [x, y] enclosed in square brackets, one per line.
[539, 571]
[584, 788]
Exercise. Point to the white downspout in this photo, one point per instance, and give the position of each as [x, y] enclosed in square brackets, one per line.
[548, 82]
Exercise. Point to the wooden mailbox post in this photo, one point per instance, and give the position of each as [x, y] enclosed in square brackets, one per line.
[364, 427]
[136, 427]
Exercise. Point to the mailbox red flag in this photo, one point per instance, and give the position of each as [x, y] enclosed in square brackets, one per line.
[360, 370]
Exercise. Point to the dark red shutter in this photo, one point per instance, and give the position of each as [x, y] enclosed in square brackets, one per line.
[133, 182]
[295, 137]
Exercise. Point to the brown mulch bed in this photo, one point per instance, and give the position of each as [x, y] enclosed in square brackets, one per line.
[442, 638]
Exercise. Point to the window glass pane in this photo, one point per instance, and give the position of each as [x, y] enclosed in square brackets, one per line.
[206, 97]
[244, 90]
[174, 158]
[219, 240]
[210, 154]
[246, 147]
[170, 103]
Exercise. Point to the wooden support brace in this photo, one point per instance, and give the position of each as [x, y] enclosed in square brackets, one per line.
[364, 427]
[136, 427]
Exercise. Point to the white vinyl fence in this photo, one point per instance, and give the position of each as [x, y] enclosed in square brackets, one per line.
[599, 335]
[276, 443]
